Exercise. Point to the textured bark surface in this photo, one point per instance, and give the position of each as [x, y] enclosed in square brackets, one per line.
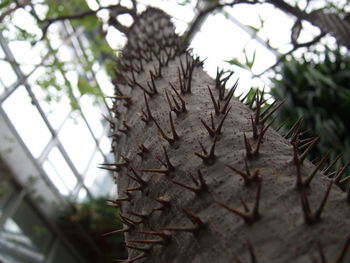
[240, 197]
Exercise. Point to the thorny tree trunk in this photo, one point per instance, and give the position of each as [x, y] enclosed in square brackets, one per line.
[201, 178]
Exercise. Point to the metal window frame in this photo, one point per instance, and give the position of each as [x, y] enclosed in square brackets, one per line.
[53, 142]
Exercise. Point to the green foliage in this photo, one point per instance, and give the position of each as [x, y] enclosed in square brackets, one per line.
[248, 63]
[97, 50]
[60, 8]
[23, 35]
[318, 90]
[85, 87]
[5, 3]
[96, 218]
[184, 2]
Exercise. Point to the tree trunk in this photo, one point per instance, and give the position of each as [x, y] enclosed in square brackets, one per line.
[201, 177]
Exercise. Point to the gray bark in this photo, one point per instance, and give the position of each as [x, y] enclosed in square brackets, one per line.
[244, 197]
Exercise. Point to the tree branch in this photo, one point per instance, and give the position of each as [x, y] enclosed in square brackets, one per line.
[203, 14]
[116, 10]
[285, 7]
[11, 10]
[295, 47]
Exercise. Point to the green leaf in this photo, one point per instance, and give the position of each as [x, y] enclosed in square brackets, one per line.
[319, 76]
[235, 62]
[184, 2]
[262, 21]
[249, 63]
[87, 88]
[23, 35]
[89, 22]
[5, 3]
[255, 29]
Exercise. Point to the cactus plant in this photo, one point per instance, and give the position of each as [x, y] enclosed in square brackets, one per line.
[202, 177]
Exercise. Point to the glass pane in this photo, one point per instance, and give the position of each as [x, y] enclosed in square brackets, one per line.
[104, 82]
[7, 76]
[105, 144]
[92, 114]
[27, 121]
[23, 19]
[25, 237]
[25, 54]
[59, 172]
[63, 169]
[77, 141]
[98, 181]
[55, 178]
[54, 103]
[66, 53]
[82, 195]
[64, 255]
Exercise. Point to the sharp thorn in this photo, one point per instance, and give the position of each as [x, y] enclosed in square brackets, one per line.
[326, 170]
[194, 219]
[149, 117]
[245, 216]
[246, 209]
[154, 88]
[168, 163]
[144, 89]
[339, 174]
[218, 129]
[142, 249]
[248, 147]
[123, 230]
[246, 178]
[132, 260]
[210, 131]
[216, 106]
[270, 113]
[229, 97]
[318, 212]
[194, 189]
[308, 180]
[311, 218]
[160, 171]
[341, 256]
[322, 255]
[303, 156]
[183, 103]
[282, 124]
[175, 135]
[181, 229]
[168, 100]
[212, 121]
[255, 129]
[296, 161]
[149, 241]
[202, 147]
[295, 128]
[170, 140]
[251, 253]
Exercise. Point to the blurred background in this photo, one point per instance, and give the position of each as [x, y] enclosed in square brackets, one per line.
[56, 68]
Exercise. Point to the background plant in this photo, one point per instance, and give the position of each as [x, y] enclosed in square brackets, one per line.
[95, 218]
[316, 87]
